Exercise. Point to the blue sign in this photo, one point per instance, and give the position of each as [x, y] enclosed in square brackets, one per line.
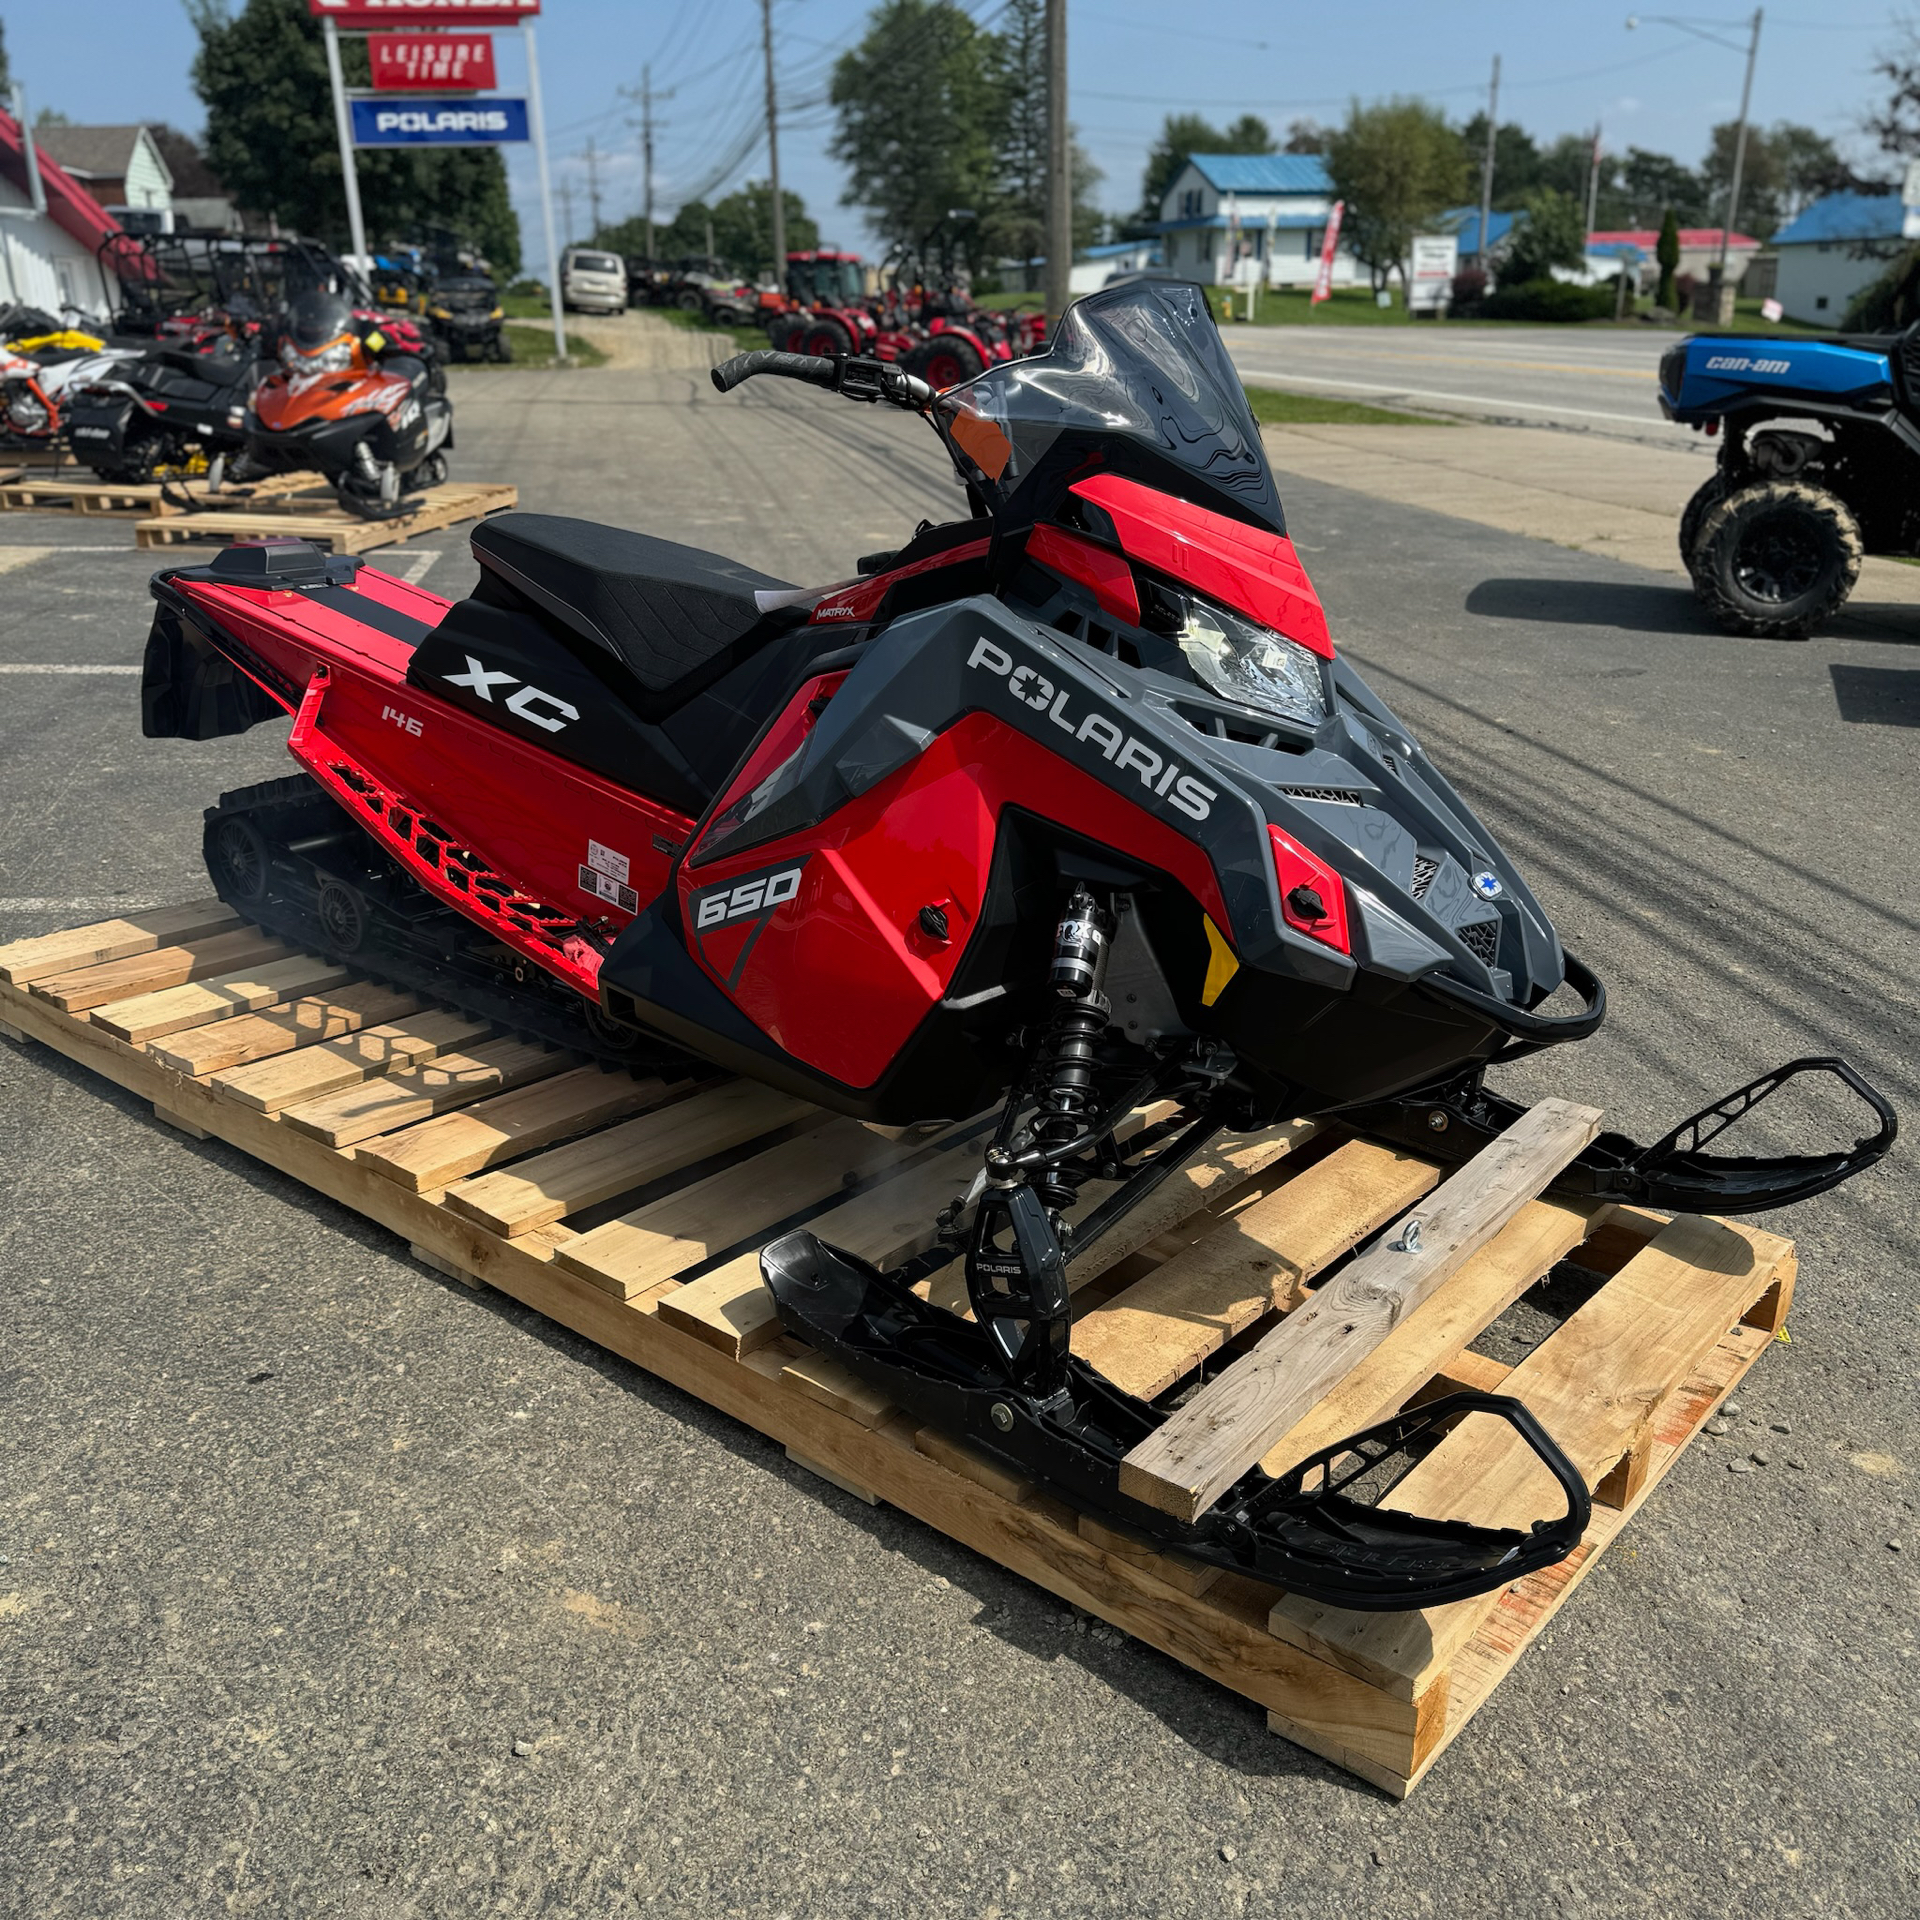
[415, 120]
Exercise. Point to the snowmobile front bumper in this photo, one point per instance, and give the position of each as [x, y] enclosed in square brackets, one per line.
[1305, 1531]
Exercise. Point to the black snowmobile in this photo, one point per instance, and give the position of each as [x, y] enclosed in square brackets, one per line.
[176, 409]
[900, 845]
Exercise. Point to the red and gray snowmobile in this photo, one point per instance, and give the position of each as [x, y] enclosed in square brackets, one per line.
[1067, 809]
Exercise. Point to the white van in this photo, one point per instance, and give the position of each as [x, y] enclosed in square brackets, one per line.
[592, 282]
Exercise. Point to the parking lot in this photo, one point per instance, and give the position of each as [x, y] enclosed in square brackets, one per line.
[331, 1586]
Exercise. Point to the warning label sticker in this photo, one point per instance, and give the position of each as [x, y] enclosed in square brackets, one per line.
[605, 887]
[615, 866]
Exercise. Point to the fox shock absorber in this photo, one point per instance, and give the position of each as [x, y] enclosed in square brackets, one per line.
[1065, 1070]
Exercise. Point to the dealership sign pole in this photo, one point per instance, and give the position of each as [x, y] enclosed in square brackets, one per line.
[463, 118]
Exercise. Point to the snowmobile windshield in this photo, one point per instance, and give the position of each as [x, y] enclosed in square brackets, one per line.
[316, 320]
[1135, 381]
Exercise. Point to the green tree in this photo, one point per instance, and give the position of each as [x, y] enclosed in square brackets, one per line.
[1181, 137]
[1652, 182]
[1397, 165]
[920, 114]
[1552, 232]
[742, 230]
[1666, 255]
[1516, 161]
[1306, 136]
[1015, 216]
[262, 74]
[1763, 179]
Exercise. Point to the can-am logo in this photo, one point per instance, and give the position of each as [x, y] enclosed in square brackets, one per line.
[1745, 363]
[1164, 779]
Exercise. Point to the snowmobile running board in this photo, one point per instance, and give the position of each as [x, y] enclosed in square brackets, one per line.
[500, 1160]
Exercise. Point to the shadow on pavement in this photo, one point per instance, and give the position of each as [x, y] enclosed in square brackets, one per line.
[1877, 696]
[1632, 605]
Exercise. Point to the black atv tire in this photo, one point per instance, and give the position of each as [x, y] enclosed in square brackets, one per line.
[1776, 560]
[945, 361]
[781, 329]
[688, 300]
[822, 334]
[500, 348]
[457, 352]
[1708, 495]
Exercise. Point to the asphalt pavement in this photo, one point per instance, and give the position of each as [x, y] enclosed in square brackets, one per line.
[1591, 379]
[329, 1586]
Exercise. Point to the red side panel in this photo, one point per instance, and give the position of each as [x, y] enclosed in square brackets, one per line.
[1243, 567]
[1295, 868]
[849, 606]
[837, 969]
[1109, 576]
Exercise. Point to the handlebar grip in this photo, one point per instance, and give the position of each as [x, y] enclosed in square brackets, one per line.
[811, 367]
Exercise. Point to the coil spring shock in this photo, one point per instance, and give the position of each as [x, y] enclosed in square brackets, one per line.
[1064, 1065]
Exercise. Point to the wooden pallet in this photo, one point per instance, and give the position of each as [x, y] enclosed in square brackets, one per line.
[309, 514]
[631, 1210]
[84, 496]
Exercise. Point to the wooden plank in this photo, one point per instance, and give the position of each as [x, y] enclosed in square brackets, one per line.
[837, 1387]
[151, 1016]
[1434, 1337]
[731, 1309]
[681, 1229]
[44, 954]
[440, 1151]
[1163, 1326]
[88, 987]
[406, 1094]
[262, 1036]
[329, 526]
[268, 1085]
[549, 1186]
[1185, 1464]
[1597, 1384]
[1209, 1179]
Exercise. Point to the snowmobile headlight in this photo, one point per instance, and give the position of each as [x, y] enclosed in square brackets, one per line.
[335, 357]
[1252, 664]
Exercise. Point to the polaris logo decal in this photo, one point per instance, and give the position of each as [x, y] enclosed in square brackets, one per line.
[744, 898]
[539, 709]
[1163, 779]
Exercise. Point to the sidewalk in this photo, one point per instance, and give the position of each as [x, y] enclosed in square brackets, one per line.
[1578, 490]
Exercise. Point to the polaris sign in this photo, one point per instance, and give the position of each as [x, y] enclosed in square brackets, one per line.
[435, 122]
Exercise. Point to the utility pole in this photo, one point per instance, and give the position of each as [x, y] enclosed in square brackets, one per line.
[1739, 152]
[1059, 165]
[1486, 170]
[1593, 178]
[773, 153]
[593, 190]
[566, 210]
[646, 148]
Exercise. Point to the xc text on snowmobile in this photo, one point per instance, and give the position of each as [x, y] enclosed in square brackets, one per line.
[1069, 808]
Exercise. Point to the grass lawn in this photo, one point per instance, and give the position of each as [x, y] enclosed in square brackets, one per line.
[697, 323]
[1274, 408]
[533, 347]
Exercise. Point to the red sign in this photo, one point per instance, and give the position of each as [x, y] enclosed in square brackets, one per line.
[363, 15]
[440, 62]
[1323, 280]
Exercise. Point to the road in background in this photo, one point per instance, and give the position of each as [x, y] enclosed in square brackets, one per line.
[331, 1586]
[1599, 380]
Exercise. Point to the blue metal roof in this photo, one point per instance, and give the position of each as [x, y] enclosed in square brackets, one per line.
[1263, 172]
[1846, 216]
[1115, 248]
[1465, 221]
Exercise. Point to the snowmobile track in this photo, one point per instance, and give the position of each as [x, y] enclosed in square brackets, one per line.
[631, 1210]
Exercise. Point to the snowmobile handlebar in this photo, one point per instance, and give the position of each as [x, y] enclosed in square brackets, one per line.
[858, 376]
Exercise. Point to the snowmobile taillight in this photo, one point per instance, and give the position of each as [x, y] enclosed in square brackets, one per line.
[1312, 898]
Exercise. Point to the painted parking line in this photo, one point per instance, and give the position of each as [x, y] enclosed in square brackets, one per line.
[54, 666]
[417, 567]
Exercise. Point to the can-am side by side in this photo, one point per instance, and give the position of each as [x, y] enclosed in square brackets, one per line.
[1069, 808]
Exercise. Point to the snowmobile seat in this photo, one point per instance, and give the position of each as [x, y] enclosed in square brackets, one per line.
[665, 612]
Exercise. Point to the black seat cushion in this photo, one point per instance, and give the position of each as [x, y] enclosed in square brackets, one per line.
[666, 612]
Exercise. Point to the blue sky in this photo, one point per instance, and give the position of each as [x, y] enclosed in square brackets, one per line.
[1566, 65]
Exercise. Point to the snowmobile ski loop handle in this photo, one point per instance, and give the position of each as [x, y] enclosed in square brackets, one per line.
[1528, 1032]
[1693, 1133]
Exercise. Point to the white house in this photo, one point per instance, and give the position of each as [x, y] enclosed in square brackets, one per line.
[1836, 246]
[1241, 218]
[50, 259]
[1096, 265]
